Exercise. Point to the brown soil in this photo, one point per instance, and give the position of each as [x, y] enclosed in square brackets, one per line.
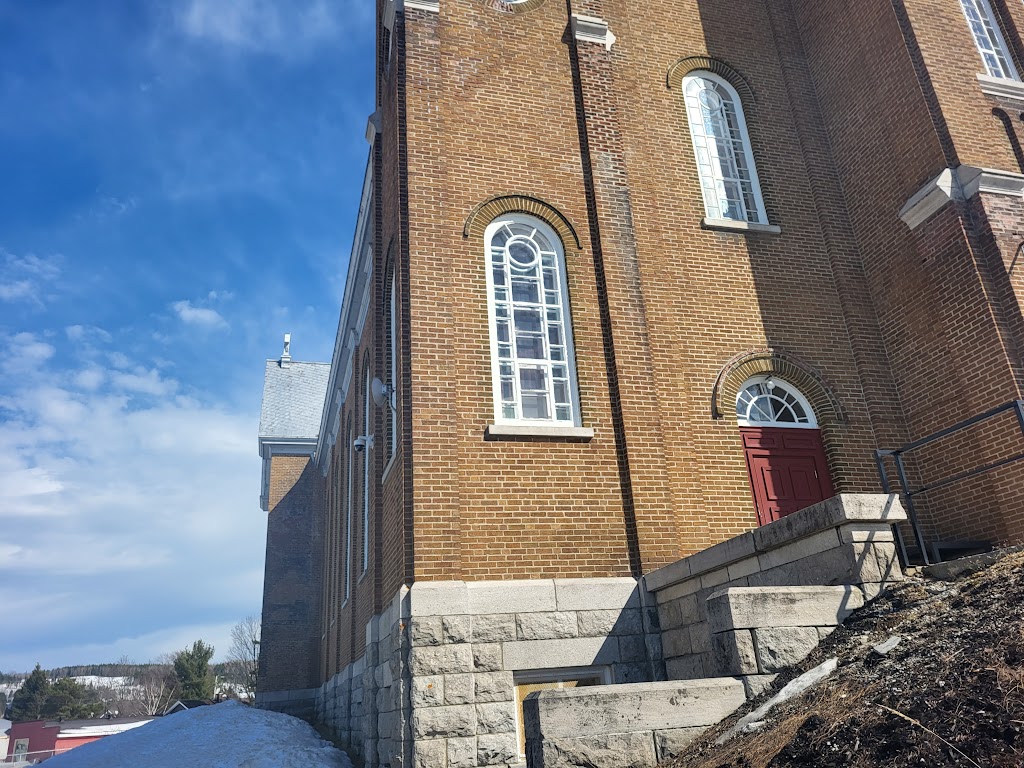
[950, 694]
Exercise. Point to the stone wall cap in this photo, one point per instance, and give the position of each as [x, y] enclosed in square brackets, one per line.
[842, 509]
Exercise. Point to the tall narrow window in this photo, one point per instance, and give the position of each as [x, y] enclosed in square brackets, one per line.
[367, 413]
[391, 363]
[349, 469]
[532, 358]
[989, 39]
[725, 162]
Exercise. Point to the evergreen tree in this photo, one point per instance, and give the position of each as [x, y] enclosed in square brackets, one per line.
[29, 699]
[70, 700]
[192, 668]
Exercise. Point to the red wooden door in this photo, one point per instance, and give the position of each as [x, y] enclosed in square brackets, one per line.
[788, 470]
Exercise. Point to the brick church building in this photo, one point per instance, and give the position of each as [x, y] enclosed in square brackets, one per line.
[628, 281]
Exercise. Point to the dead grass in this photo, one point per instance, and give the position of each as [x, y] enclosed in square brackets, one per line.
[950, 694]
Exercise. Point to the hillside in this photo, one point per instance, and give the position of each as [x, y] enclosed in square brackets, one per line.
[950, 693]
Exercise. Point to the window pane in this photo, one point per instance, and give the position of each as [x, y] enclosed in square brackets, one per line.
[533, 378]
[525, 290]
[528, 320]
[535, 406]
[529, 346]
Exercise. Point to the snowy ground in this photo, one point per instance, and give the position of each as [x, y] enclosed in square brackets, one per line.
[227, 735]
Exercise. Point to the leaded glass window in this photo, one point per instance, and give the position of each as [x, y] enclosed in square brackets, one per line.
[988, 39]
[531, 335]
[766, 401]
[725, 163]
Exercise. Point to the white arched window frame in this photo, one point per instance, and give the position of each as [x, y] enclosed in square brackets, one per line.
[767, 401]
[532, 355]
[988, 39]
[721, 147]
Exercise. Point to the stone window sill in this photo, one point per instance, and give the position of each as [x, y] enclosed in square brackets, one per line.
[512, 431]
[1002, 87]
[731, 225]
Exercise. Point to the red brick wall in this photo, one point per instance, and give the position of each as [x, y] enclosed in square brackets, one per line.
[854, 108]
[290, 650]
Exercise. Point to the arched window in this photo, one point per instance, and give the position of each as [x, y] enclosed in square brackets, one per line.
[766, 401]
[988, 39]
[532, 359]
[725, 162]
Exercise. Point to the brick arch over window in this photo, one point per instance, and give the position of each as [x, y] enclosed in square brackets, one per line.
[517, 6]
[494, 207]
[679, 70]
[759, 362]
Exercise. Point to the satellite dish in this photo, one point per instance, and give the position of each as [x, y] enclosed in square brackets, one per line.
[379, 391]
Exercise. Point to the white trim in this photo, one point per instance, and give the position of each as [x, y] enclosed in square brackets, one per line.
[781, 383]
[530, 430]
[345, 341]
[747, 149]
[995, 39]
[1001, 87]
[735, 225]
[430, 6]
[590, 29]
[960, 183]
[566, 318]
[367, 415]
[387, 470]
[372, 127]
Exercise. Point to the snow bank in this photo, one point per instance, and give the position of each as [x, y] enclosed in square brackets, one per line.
[227, 735]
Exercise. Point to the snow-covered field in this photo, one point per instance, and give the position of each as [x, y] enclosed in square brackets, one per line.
[227, 735]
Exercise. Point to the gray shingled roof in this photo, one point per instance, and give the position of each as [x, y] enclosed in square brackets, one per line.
[293, 399]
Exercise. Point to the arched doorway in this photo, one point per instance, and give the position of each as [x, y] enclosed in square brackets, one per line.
[783, 445]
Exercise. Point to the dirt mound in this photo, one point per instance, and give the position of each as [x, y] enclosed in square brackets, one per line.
[951, 693]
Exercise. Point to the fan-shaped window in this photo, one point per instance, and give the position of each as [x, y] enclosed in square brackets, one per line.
[725, 162]
[988, 39]
[769, 402]
[531, 335]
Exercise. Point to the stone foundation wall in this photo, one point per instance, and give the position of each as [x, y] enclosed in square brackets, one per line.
[436, 686]
[640, 725]
[845, 540]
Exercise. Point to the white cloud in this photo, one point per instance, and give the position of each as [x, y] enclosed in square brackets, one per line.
[26, 278]
[126, 508]
[198, 316]
[79, 333]
[264, 26]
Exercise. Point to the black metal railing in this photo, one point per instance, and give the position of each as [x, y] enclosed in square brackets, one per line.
[909, 493]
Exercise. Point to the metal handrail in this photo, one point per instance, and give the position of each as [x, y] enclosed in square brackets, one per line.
[908, 493]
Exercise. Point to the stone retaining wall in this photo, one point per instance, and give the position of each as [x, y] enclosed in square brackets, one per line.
[436, 687]
[845, 540]
[640, 725]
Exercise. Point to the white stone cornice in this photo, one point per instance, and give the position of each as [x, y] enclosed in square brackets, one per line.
[589, 29]
[372, 127]
[960, 183]
[1001, 87]
[430, 6]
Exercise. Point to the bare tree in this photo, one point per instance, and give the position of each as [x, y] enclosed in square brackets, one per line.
[243, 655]
[154, 687]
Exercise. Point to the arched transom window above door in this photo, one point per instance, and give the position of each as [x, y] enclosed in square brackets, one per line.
[766, 401]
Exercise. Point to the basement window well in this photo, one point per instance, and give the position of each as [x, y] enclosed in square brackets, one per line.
[552, 679]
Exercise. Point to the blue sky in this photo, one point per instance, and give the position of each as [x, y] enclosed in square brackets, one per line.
[178, 185]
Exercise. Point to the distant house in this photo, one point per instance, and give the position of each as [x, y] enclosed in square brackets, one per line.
[35, 740]
[183, 704]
